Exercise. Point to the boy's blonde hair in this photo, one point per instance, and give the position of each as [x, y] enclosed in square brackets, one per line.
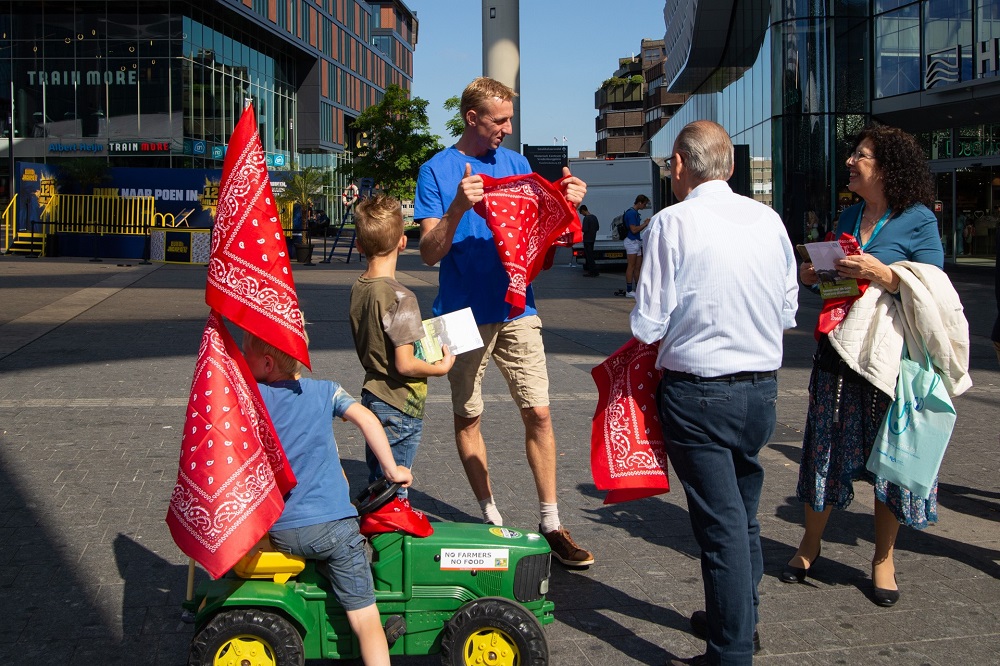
[482, 89]
[285, 363]
[379, 224]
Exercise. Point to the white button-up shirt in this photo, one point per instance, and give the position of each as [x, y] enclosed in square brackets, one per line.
[719, 284]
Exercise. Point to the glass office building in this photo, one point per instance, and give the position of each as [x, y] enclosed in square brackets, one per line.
[797, 79]
[161, 84]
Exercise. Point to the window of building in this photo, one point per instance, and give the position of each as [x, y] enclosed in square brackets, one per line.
[947, 33]
[897, 52]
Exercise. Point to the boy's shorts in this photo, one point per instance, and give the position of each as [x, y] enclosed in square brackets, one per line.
[340, 549]
[633, 246]
[516, 348]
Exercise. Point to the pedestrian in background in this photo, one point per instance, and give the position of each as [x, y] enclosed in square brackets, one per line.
[590, 226]
[633, 242]
[717, 290]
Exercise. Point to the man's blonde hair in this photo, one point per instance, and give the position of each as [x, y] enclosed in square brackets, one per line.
[379, 224]
[285, 363]
[481, 90]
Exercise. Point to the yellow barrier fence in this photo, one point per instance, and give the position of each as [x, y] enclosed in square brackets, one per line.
[9, 222]
[87, 213]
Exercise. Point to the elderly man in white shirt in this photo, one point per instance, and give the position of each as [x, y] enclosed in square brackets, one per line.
[718, 287]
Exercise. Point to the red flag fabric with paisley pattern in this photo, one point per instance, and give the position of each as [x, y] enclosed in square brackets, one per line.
[526, 214]
[249, 272]
[233, 472]
[627, 455]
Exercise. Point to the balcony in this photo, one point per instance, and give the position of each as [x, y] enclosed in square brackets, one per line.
[623, 93]
[619, 120]
[621, 146]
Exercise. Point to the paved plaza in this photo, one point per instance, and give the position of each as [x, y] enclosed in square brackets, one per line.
[96, 360]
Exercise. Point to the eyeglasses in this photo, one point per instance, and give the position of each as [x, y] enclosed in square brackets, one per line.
[857, 156]
[670, 161]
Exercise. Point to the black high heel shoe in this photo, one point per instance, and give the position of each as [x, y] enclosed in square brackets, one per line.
[884, 597]
[792, 574]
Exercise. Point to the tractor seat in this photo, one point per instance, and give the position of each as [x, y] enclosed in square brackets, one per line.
[263, 561]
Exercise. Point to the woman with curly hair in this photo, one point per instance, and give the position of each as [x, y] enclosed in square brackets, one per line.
[888, 171]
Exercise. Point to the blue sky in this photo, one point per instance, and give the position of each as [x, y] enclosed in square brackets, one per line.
[567, 49]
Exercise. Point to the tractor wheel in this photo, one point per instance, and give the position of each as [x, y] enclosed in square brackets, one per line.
[247, 638]
[493, 631]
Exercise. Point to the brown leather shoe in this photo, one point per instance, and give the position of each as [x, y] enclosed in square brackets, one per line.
[565, 549]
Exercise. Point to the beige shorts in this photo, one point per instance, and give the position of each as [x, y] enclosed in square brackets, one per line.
[517, 350]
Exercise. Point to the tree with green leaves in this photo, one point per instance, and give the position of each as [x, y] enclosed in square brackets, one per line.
[397, 140]
[455, 124]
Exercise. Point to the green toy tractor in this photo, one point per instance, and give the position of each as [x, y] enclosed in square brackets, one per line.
[473, 593]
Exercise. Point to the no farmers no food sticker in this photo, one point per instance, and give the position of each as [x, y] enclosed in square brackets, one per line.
[479, 559]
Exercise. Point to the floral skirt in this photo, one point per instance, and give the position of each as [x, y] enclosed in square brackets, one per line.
[834, 453]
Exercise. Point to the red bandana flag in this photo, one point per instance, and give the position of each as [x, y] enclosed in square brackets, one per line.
[627, 454]
[233, 472]
[526, 214]
[249, 273]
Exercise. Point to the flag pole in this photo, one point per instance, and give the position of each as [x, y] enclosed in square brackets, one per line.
[190, 584]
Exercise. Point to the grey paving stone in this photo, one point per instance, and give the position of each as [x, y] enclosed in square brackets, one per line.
[90, 415]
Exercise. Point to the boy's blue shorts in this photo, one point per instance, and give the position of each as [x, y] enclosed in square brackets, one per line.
[340, 549]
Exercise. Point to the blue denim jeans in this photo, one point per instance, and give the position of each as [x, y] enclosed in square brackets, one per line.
[402, 431]
[713, 432]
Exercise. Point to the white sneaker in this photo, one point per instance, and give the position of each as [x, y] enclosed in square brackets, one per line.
[630, 294]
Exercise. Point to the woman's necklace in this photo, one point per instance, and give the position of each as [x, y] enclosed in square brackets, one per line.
[871, 228]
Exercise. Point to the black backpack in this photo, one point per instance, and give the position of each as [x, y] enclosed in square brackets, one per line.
[619, 226]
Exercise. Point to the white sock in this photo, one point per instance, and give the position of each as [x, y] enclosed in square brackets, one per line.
[490, 512]
[550, 516]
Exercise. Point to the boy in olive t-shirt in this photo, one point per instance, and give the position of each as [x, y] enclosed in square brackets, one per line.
[385, 322]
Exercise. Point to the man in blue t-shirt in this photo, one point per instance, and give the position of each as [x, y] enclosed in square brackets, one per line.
[471, 275]
[633, 243]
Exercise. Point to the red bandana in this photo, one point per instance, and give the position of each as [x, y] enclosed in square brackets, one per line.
[233, 472]
[396, 516]
[249, 274]
[627, 455]
[526, 215]
[835, 309]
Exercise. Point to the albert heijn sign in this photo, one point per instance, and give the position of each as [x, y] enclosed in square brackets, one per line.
[138, 147]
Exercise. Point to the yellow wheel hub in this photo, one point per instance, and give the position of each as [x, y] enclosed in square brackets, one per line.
[244, 650]
[491, 647]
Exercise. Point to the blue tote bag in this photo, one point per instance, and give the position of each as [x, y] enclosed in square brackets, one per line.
[913, 438]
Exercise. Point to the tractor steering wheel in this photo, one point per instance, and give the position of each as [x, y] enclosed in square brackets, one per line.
[375, 496]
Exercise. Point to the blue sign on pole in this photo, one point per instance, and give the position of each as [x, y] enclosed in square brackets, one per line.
[199, 147]
[269, 160]
[279, 160]
[217, 152]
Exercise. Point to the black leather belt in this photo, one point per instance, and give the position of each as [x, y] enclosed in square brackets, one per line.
[735, 377]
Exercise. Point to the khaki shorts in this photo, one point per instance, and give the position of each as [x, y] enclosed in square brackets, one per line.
[517, 350]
